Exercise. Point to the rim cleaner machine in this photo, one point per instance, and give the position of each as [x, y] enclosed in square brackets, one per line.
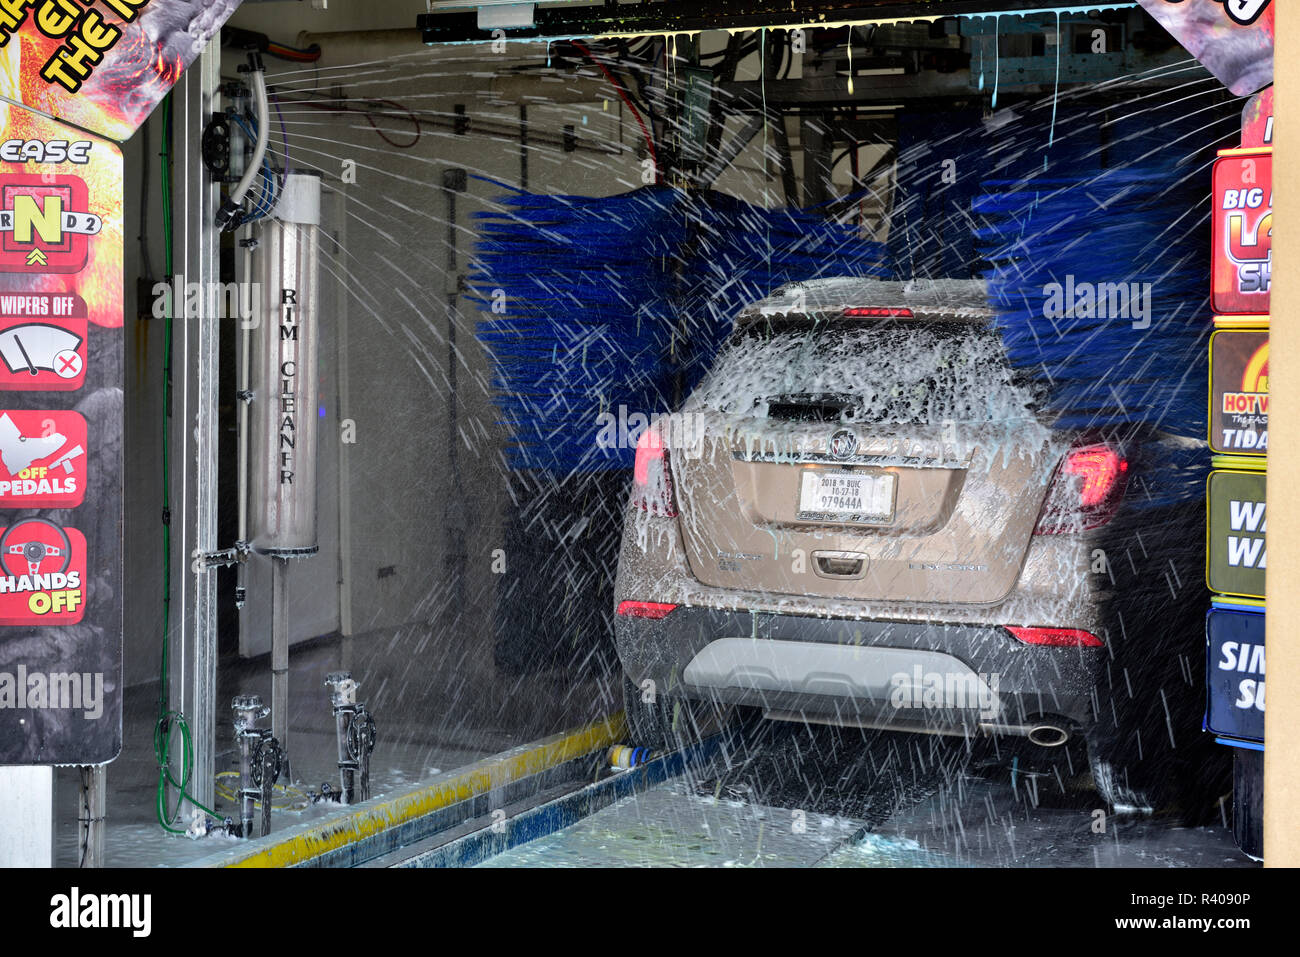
[281, 405]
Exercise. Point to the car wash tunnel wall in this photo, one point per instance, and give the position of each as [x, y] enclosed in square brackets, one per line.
[402, 299]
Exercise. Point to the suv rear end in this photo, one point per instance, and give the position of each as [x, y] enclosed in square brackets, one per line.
[858, 518]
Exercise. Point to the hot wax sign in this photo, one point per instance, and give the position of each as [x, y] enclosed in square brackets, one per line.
[1239, 392]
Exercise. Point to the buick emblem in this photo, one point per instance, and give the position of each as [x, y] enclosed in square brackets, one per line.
[842, 444]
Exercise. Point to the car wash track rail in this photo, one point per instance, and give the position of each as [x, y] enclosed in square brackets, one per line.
[465, 817]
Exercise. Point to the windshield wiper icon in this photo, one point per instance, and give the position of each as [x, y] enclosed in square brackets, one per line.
[33, 347]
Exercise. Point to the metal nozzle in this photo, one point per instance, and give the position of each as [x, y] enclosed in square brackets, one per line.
[343, 689]
[248, 710]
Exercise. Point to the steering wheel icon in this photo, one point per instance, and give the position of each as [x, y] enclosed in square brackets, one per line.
[34, 551]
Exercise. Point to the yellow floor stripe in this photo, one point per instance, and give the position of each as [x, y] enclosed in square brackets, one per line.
[494, 772]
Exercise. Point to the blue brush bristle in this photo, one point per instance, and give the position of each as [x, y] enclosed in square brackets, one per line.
[1042, 237]
[623, 300]
[1105, 370]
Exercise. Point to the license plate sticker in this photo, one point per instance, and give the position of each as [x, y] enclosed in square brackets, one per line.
[846, 496]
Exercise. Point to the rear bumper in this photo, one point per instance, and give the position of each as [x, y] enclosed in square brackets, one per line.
[921, 676]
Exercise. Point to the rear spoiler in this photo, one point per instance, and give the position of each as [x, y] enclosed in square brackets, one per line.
[864, 314]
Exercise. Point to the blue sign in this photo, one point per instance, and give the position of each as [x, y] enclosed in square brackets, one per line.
[1235, 673]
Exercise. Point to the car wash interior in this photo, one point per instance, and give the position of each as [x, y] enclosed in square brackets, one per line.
[693, 434]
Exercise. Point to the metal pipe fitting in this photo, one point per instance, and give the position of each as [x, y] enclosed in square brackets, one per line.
[343, 698]
[248, 710]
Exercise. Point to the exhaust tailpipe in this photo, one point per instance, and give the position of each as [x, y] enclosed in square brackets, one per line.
[1048, 733]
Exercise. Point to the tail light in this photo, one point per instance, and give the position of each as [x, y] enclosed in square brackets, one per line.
[875, 312]
[1056, 637]
[1085, 492]
[645, 609]
[652, 489]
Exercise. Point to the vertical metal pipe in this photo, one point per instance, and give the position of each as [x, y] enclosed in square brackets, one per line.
[280, 652]
[343, 699]
[268, 787]
[192, 638]
[523, 146]
[347, 767]
[247, 710]
[817, 146]
[92, 807]
[247, 793]
[454, 181]
[363, 774]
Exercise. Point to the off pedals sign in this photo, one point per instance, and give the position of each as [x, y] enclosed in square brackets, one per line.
[45, 225]
[42, 459]
[1237, 556]
[1239, 392]
[42, 574]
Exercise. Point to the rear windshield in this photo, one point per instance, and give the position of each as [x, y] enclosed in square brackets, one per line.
[887, 372]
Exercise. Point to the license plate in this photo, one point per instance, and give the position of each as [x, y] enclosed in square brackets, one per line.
[846, 496]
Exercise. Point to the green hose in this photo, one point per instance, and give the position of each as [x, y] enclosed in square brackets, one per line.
[162, 751]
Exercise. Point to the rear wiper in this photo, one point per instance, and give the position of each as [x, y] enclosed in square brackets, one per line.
[812, 407]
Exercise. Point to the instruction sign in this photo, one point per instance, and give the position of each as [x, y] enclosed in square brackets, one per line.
[1235, 674]
[42, 574]
[60, 443]
[1243, 232]
[1239, 392]
[42, 459]
[1236, 556]
[45, 224]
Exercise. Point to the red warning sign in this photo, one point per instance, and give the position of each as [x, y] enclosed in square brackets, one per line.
[1243, 232]
[42, 574]
[42, 459]
[45, 224]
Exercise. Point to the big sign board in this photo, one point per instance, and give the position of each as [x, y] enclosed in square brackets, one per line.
[96, 69]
